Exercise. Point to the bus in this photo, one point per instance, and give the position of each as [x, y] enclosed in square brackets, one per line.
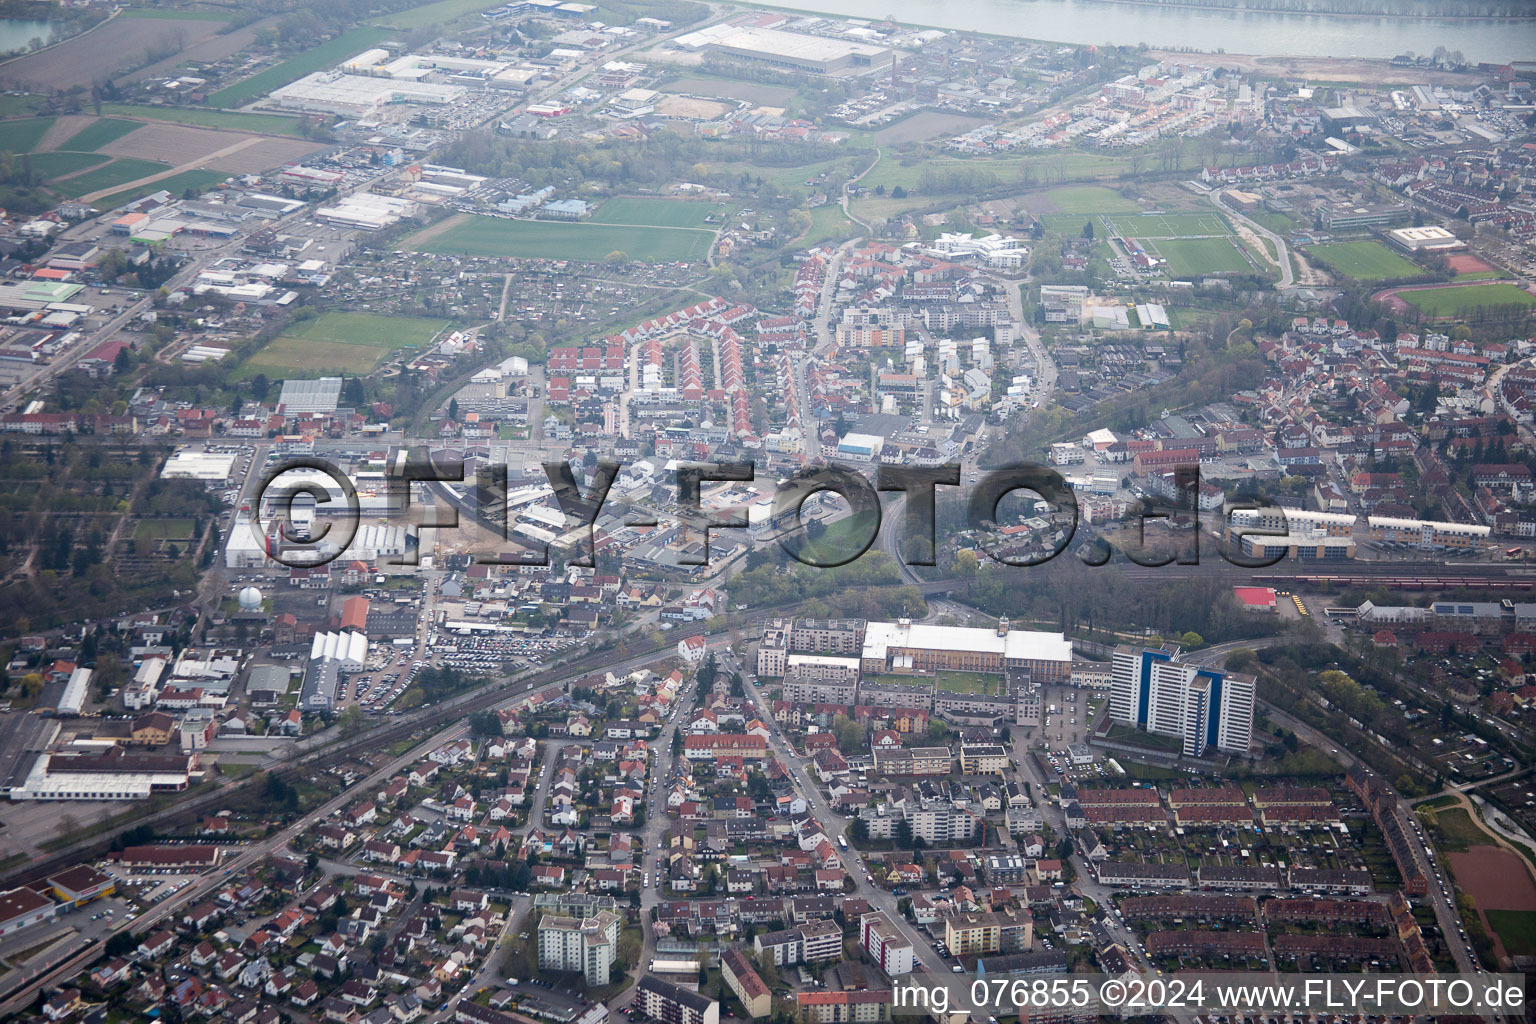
[1514, 552]
[842, 841]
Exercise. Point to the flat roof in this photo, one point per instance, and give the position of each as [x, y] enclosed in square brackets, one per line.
[1015, 644]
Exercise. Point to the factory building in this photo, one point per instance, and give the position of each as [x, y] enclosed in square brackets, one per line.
[908, 647]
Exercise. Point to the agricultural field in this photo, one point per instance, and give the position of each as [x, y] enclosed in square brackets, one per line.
[1195, 257]
[266, 124]
[562, 240]
[662, 213]
[351, 343]
[113, 48]
[110, 175]
[1449, 301]
[432, 14]
[1169, 225]
[316, 58]
[103, 131]
[1364, 261]
[1012, 168]
[23, 136]
[52, 165]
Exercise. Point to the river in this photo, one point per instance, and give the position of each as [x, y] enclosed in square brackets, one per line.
[16, 34]
[1265, 33]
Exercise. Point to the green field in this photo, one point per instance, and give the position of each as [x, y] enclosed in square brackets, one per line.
[827, 224]
[316, 58]
[339, 343]
[176, 184]
[1516, 928]
[1089, 199]
[1365, 261]
[100, 132]
[431, 14]
[1457, 829]
[119, 172]
[22, 136]
[1011, 168]
[163, 529]
[661, 213]
[264, 124]
[562, 240]
[1193, 257]
[50, 165]
[1449, 301]
[1169, 225]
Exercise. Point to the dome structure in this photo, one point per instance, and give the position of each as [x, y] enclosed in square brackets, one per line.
[250, 599]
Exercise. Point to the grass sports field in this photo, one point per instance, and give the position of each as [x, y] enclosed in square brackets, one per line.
[431, 14]
[332, 51]
[560, 240]
[661, 213]
[1169, 225]
[1365, 261]
[339, 343]
[1192, 257]
[1450, 301]
[1089, 199]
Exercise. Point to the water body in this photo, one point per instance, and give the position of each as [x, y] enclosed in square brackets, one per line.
[17, 34]
[1266, 33]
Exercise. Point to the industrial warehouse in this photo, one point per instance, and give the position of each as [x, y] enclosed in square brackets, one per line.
[792, 51]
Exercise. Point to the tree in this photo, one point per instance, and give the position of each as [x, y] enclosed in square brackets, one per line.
[904, 834]
[966, 563]
[351, 721]
[1088, 230]
[453, 409]
[858, 830]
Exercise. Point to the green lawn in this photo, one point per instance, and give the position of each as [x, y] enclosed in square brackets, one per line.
[431, 14]
[1195, 257]
[119, 172]
[1169, 225]
[1089, 199]
[1364, 261]
[969, 682]
[176, 184]
[22, 136]
[100, 132]
[1516, 928]
[50, 165]
[495, 236]
[316, 58]
[339, 343]
[662, 213]
[264, 124]
[1455, 299]
[827, 224]
[1141, 738]
[1457, 829]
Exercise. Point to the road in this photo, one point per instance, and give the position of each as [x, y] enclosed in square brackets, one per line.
[1287, 276]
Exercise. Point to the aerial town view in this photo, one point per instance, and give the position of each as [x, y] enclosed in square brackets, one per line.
[704, 512]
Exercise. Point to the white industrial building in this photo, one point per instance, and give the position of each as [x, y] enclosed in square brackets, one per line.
[73, 699]
[918, 647]
[348, 649]
[333, 92]
[368, 211]
[209, 467]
